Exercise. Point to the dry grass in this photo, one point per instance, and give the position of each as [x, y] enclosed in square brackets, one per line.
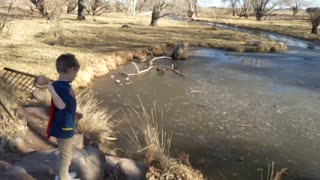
[295, 28]
[95, 124]
[9, 128]
[150, 141]
[271, 173]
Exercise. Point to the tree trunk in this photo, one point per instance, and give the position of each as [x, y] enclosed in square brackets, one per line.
[94, 7]
[314, 29]
[195, 9]
[295, 12]
[259, 16]
[233, 12]
[40, 5]
[81, 10]
[134, 7]
[192, 12]
[155, 15]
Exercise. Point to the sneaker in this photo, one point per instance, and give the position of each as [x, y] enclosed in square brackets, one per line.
[72, 175]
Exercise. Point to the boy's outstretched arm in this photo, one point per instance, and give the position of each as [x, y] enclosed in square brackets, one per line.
[58, 102]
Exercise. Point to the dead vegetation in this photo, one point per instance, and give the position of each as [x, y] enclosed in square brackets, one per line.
[272, 174]
[10, 126]
[151, 143]
[95, 125]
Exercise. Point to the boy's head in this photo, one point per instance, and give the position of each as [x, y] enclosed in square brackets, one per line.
[68, 64]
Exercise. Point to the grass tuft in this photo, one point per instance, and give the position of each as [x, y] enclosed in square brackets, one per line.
[150, 141]
[95, 124]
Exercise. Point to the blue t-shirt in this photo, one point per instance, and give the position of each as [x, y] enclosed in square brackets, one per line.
[63, 120]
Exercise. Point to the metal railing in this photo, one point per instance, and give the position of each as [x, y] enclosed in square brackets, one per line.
[18, 79]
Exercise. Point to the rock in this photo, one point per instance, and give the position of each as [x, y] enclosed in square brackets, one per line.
[89, 163]
[125, 26]
[4, 166]
[129, 168]
[181, 52]
[18, 142]
[253, 43]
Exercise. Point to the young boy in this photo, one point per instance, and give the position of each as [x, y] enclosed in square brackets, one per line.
[62, 112]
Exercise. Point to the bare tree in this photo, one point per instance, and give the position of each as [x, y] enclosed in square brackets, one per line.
[262, 7]
[55, 8]
[296, 5]
[120, 6]
[40, 5]
[314, 18]
[158, 7]
[233, 5]
[99, 7]
[132, 7]
[140, 4]
[4, 19]
[192, 13]
[81, 10]
[245, 7]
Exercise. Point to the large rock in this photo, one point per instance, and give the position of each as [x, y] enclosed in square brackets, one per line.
[125, 168]
[89, 163]
[180, 52]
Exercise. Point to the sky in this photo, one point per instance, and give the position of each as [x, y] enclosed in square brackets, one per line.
[217, 3]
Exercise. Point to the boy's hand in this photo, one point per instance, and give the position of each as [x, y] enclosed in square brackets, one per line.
[42, 82]
[79, 115]
[72, 93]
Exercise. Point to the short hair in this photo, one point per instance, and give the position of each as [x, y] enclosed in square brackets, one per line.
[65, 62]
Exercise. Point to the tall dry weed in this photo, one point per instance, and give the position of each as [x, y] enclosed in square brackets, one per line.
[10, 127]
[96, 123]
[150, 140]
